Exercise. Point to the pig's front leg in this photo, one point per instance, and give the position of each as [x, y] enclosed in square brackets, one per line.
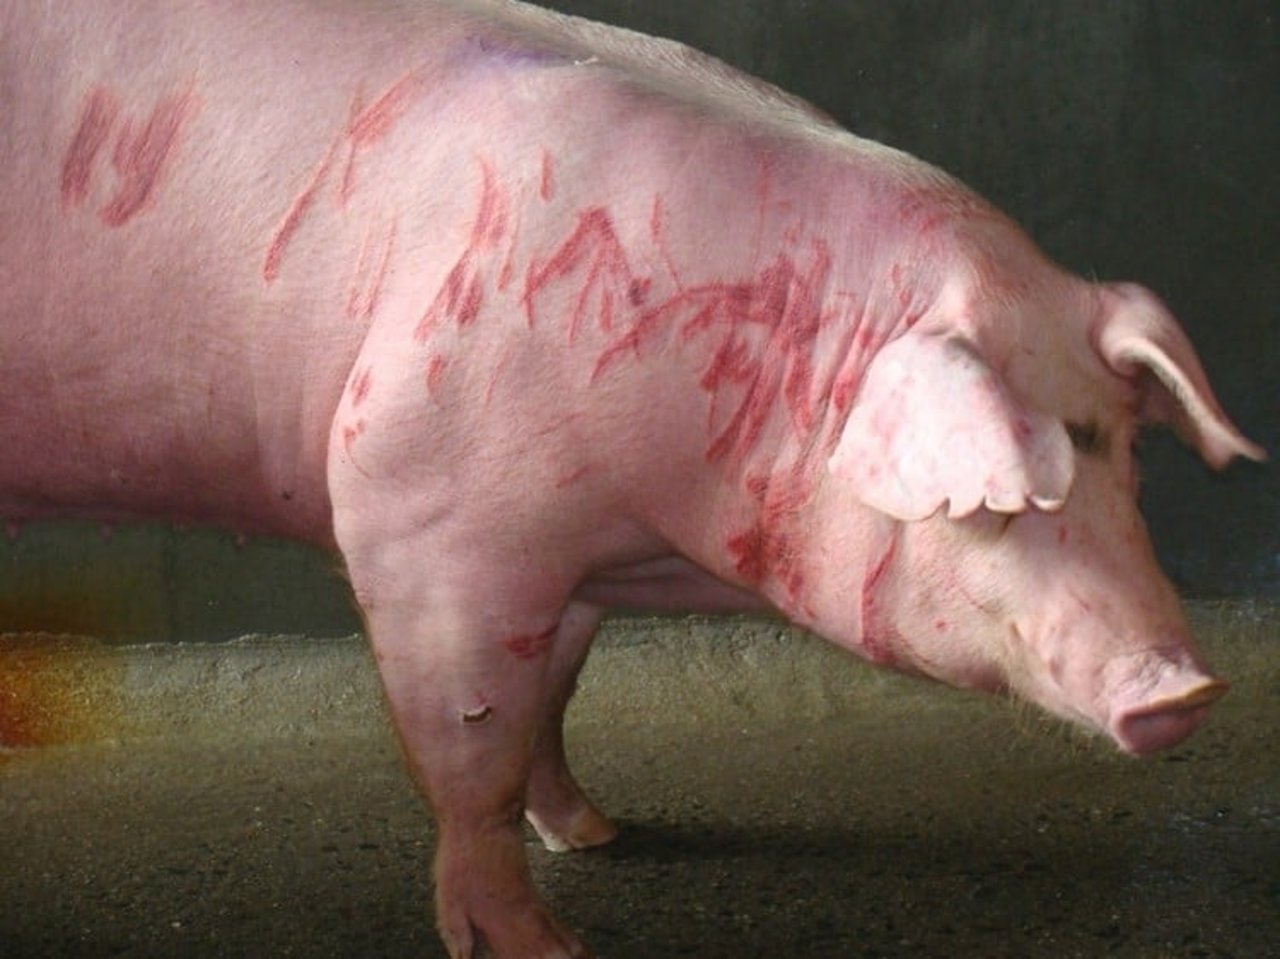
[466, 656]
[556, 806]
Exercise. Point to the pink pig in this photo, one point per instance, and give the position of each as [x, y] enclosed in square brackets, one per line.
[530, 317]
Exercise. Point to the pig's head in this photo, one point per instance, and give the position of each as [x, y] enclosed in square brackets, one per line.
[998, 461]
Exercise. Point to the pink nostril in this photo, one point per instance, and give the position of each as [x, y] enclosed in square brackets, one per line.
[1154, 726]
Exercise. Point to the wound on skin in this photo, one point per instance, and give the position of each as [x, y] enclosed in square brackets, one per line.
[360, 387]
[476, 716]
[531, 647]
[96, 118]
[139, 158]
[768, 548]
[366, 127]
[877, 651]
[435, 373]
[461, 296]
[370, 274]
[763, 328]
[608, 279]
[371, 124]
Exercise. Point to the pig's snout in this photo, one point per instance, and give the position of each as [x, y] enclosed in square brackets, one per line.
[1144, 701]
[1165, 720]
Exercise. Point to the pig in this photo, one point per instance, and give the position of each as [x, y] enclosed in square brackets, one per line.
[527, 318]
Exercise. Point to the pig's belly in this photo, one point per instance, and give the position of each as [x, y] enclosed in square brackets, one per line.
[114, 462]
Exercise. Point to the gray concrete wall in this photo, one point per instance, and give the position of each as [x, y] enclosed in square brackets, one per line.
[1134, 140]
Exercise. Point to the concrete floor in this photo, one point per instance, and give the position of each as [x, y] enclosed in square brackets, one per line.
[776, 798]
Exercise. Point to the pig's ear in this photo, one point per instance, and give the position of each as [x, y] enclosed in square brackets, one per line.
[1136, 334]
[933, 424]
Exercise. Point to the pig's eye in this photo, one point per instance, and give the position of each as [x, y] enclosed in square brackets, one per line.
[1088, 438]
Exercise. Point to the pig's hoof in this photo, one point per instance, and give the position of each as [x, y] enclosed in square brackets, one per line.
[531, 933]
[579, 828]
[486, 904]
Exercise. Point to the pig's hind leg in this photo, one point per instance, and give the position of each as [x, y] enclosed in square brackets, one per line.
[556, 806]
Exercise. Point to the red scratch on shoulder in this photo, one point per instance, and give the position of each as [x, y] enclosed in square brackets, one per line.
[140, 156]
[376, 120]
[351, 433]
[435, 373]
[508, 263]
[546, 184]
[595, 247]
[365, 127]
[570, 478]
[531, 647]
[657, 233]
[491, 218]
[360, 387]
[877, 651]
[349, 170]
[373, 123]
[366, 284]
[96, 118]
[763, 332]
[461, 295]
[769, 547]
[293, 218]
[355, 290]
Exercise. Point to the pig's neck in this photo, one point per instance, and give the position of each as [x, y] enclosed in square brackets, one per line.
[878, 257]
[780, 525]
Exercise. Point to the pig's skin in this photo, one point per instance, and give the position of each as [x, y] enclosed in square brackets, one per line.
[529, 318]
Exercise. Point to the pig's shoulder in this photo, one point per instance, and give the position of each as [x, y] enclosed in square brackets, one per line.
[672, 78]
[662, 67]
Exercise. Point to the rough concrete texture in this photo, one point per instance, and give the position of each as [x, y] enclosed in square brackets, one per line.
[776, 798]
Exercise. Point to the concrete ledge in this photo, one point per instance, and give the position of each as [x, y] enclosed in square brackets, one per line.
[68, 689]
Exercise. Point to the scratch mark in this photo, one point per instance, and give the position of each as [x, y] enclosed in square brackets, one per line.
[293, 218]
[351, 433]
[570, 478]
[769, 548]
[366, 284]
[96, 118]
[877, 650]
[658, 235]
[461, 295]
[531, 647]
[594, 245]
[364, 129]
[435, 373]
[140, 156]
[373, 123]
[360, 387]
[767, 327]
